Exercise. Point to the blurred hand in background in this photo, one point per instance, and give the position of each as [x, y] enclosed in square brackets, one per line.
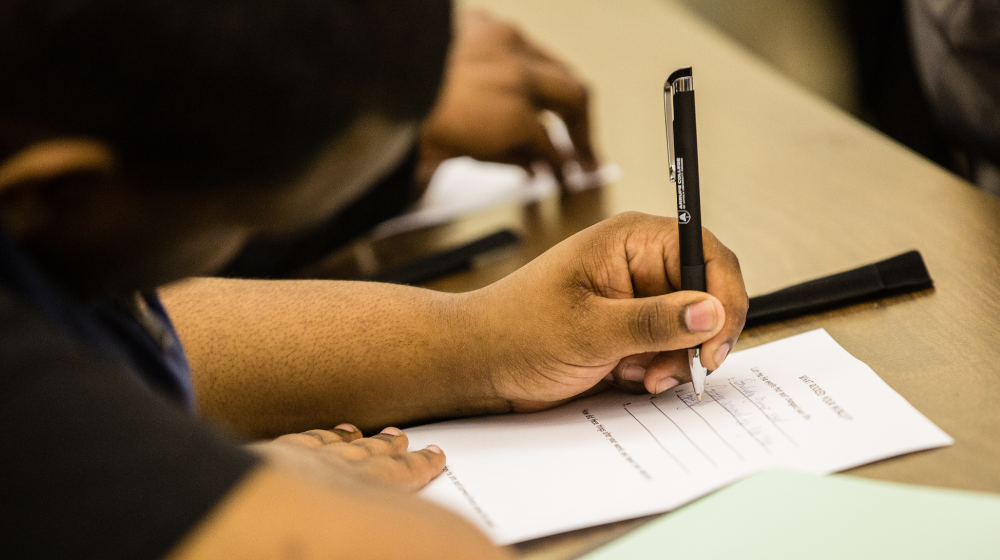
[496, 86]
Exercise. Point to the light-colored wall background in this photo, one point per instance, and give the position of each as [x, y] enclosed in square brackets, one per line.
[805, 39]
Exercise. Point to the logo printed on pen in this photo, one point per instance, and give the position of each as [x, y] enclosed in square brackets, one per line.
[681, 191]
[684, 217]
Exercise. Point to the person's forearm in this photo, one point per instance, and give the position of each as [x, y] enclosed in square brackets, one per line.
[273, 357]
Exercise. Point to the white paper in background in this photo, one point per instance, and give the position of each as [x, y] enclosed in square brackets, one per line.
[801, 403]
[464, 185]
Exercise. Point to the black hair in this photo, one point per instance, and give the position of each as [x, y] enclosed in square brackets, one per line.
[207, 92]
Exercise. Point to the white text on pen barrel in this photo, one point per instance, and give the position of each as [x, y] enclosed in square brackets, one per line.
[681, 195]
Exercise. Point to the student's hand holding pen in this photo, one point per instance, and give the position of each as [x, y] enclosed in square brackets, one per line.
[602, 302]
[606, 301]
[272, 358]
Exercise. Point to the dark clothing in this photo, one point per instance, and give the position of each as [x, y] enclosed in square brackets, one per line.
[929, 76]
[888, 80]
[133, 330]
[957, 52]
[93, 464]
[957, 47]
[98, 455]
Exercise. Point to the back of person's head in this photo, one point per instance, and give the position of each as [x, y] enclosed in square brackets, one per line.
[214, 92]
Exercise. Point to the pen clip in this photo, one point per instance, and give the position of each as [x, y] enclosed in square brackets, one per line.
[668, 117]
[680, 80]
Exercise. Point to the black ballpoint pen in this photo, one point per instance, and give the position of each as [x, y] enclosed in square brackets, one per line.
[682, 151]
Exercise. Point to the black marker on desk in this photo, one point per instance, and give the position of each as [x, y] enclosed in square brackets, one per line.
[682, 151]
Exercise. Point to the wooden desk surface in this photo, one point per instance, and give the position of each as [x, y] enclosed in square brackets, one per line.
[798, 189]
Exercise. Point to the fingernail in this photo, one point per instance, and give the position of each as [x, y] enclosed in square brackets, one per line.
[633, 372]
[434, 449]
[700, 317]
[345, 427]
[664, 384]
[721, 353]
[392, 431]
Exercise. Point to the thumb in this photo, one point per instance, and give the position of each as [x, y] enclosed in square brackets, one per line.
[660, 323]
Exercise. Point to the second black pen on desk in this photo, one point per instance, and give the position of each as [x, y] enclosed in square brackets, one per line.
[682, 151]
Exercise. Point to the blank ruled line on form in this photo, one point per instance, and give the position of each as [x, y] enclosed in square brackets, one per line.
[658, 442]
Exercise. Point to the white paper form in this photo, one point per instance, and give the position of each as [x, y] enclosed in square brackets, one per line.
[800, 403]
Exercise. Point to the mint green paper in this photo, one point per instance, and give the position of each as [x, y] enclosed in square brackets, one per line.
[776, 515]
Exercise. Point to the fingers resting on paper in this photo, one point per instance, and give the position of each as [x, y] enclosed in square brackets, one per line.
[382, 458]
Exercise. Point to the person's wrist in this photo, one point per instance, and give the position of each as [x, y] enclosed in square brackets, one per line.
[473, 335]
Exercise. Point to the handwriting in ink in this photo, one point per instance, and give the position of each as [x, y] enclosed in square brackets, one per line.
[741, 416]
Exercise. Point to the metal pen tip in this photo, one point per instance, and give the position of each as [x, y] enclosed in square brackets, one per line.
[699, 396]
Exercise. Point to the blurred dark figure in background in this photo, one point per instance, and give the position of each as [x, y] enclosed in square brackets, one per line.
[929, 74]
[957, 51]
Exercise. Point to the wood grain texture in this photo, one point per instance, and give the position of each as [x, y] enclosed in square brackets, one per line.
[798, 189]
